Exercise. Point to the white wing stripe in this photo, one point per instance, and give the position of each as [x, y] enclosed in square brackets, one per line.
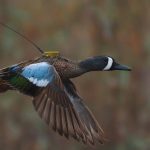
[40, 83]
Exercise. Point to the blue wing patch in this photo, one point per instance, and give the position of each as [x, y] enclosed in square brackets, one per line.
[40, 74]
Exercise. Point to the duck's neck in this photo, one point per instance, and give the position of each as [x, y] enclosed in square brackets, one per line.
[81, 68]
[75, 70]
[87, 66]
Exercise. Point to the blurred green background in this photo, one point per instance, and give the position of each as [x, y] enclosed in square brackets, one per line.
[79, 29]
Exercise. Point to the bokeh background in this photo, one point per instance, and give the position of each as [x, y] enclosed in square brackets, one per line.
[80, 29]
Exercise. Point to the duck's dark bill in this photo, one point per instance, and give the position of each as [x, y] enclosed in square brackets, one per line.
[122, 67]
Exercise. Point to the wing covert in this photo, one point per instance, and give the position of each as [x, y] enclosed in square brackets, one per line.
[40, 74]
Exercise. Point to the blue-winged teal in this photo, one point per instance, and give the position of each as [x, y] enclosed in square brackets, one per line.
[55, 98]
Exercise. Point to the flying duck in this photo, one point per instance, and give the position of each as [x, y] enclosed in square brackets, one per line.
[47, 80]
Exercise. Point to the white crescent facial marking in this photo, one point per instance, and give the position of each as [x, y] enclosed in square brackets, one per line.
[109, 64]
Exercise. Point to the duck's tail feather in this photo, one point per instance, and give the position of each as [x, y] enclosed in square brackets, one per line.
[4, 85]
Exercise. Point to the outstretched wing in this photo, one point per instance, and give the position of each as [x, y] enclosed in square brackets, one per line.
[56, 101]
[60, 107]
[93, 130]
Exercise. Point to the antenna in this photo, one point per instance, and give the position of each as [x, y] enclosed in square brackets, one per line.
[24, 37]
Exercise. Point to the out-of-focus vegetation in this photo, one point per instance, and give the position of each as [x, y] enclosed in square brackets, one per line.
[79, 29]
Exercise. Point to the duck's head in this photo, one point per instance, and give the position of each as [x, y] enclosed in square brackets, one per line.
[102, 63]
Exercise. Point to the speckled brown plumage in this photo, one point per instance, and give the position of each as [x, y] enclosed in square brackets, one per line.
[66, 68]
